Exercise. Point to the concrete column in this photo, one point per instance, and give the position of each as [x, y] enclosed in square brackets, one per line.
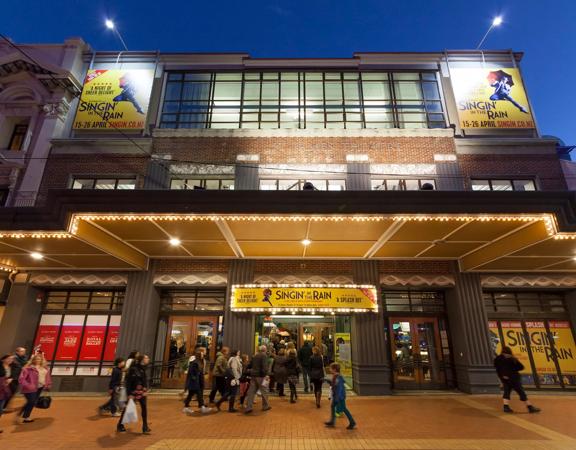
[246, 177]
[370, 346]
[21, 315]
[157, 176]
[449, 176]
[140, 314]
[468, 322]
[358, 178]
[239, 327]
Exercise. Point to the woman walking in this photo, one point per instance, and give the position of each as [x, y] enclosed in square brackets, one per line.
[195, 383]
[34, 378]
[508, 369]
[317, 373]
[280, 372]
[233, 375]
[137, 390]
[114, 388]
[245, 378]
[293, 372]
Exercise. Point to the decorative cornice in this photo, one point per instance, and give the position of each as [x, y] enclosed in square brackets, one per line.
[196, 279]
[302, 279]
[77, 279]
[416, 280]
[549, 281]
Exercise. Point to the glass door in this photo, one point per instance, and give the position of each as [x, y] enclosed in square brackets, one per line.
[416, 353]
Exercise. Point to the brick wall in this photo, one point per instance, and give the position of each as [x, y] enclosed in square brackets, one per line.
[546, 168]
[191, 265]
[416, 267]
[299, 267]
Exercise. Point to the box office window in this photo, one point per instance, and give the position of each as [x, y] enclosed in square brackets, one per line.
[78, 331]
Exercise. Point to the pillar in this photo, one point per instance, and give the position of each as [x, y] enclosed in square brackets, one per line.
[140, 313]
[370, 346]
[468, 322]
[358, 177]
[239, 327]
[246, 177]
[157, 175]
[571, 306]
[21, 316]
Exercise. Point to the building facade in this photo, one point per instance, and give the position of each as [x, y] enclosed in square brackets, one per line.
[399, 210]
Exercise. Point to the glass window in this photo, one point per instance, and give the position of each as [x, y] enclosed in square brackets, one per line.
[501, 185]
[105, 184]
[480, 185]
[524, 185]
[126, 184]
[18, 137]
[268, 185]
[80, 183]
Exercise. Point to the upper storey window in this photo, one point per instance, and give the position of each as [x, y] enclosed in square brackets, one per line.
[262, 100]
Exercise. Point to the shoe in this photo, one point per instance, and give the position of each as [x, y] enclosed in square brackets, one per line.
[248, 411]
[188, 411]
[205, 410]
[507, 409]
[281, 395]
[351, 426]
[121, 428]
[233, 410]
[533, 409]
[102, 411]
[329, 424]
[268, 408]
[292, 400]
[116, 414]
[317, 405]
[146, 430]
[27, 420]
[218, 405]
[338, 415]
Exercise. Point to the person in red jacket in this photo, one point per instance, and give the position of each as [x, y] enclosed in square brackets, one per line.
[35, 378]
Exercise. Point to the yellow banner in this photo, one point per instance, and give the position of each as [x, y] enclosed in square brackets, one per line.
[114, 99]
[491, 98]
[565, 347]
[297, 298]
[515, 339]
[541, 349]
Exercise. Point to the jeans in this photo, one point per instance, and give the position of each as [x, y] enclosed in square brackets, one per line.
[143, 409]
[111, 404]
[306, 378]
[31, 400]
[219, 386]
[230, 395]
[341, 407]
[255, 384]
[199, 395]
[510, 386]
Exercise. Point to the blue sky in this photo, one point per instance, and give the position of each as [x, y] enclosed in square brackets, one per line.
[323, 28]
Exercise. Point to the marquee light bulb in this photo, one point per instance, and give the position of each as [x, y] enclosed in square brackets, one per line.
[306, 242]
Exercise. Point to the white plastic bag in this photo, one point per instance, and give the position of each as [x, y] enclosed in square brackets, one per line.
[266, 382]
[130, 414]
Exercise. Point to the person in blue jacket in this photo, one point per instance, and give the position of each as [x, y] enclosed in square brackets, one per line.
[339, 398]
[195, 383]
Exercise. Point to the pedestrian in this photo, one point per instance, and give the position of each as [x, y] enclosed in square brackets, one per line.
[131, 358]
[34, 378]
[245, 378]
[339, 398]
[271, 356]
[233, 375]
[508, 369]
[5, 380]
[279, 371]
[219, 374]
[195, 383]
[258, 380]
[293, 373]
[19, 361]
[304, 355]
[114, 388]
[317, 373]
[137, 389]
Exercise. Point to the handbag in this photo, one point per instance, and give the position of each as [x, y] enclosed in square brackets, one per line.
[44, 402]
[130, 413]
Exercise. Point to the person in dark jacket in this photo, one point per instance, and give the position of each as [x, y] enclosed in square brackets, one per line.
[195, 383]
[279, 371]
[18, 363]
[219, 374]
[137, 389]
[304, 355]
[258, 380]
[508, 369]
[339, 398]
[5, 379]
[113, 388]
[293, 372]
[317, 373]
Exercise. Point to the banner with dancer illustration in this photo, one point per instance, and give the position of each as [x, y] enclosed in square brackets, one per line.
[114, 99]
[491, 98]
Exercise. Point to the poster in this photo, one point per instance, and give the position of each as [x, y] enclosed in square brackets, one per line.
[491, 98]
[70, 335]
[495, 343]
[542, 353]
[114, 99]
[93, 339]
[343, 354]
[515, 339]
[46, 336]
[564, 345]
[112, 339]
[298, 297]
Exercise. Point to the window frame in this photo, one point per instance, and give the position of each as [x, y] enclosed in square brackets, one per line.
[203, 181]
[95, 180]
[15, 134]
[491, 179]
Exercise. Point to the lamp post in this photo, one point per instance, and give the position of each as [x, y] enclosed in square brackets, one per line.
[110, 25]
[496, 22]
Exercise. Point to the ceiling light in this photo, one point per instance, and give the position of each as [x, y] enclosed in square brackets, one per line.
[109, 24]
[306, 242]
[497, 21]
[175, 242]
[36, 255]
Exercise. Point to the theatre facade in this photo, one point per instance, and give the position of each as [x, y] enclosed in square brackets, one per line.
[399, 210]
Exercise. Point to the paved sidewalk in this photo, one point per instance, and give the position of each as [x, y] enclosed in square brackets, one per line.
[398, 422]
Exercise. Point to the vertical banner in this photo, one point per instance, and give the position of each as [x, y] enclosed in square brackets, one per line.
[343, 354]
[70, 335]
[515, 339]
[112, 339]
[46, 335]
[494, 337]
[114, 99]
[542, 353]
[491, 98]
[565, 347]
[93, 339]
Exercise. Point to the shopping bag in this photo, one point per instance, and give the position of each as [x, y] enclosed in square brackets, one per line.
[44, 402]
[130, 413]
[266, 382]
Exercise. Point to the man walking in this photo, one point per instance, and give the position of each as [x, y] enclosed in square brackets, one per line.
[304, 355]
[259, 380]
[219, 374]
[20, 360]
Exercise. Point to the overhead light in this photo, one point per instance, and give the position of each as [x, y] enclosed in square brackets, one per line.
[294, 316]
[175, 242]
[306, 242]
[497, 21]
[37, 256]
[109, 24]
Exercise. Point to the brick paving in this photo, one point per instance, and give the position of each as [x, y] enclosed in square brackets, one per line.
[397, 422]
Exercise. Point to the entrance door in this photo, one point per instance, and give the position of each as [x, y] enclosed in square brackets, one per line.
[320, 335]
[416, 353]
[184, 334]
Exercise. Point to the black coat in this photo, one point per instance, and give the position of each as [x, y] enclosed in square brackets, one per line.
[115, 378]
[508, 367]
[316, 367]
[292, 367]
[16, 367]
[195, 376]
[259, 365]
[137, 379]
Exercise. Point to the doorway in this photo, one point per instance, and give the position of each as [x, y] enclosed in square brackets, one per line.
[184, 334]
[417, 353]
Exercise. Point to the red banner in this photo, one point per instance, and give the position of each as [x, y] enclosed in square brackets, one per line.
[92, 343]
[69, 343]
[46, 340]
[111, 343]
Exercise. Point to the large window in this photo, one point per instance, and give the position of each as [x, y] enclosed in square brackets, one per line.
[302, 100]
[503, 185]
[414, 301]
[104, 183]
[397, 184]
[79, 330]
[202, 183]
[272, 184]
[18, 137]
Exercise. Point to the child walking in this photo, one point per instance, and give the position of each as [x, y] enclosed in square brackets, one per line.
[339, 398]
